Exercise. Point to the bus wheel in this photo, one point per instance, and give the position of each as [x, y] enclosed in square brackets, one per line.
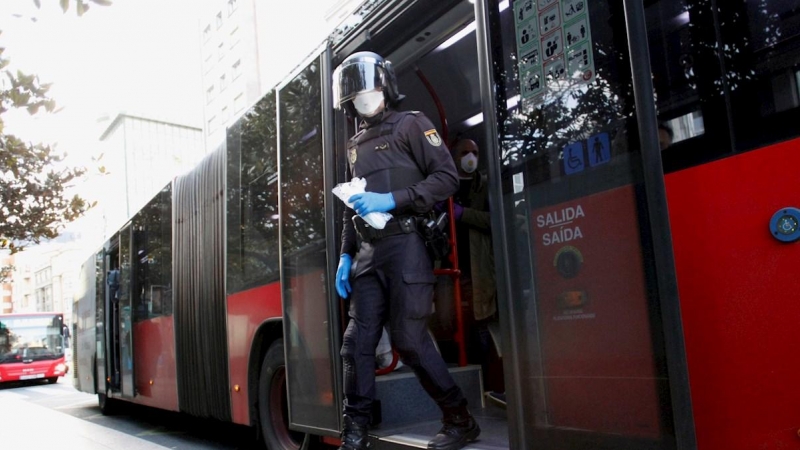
[107, 405]
[272, 402]
[52, 380]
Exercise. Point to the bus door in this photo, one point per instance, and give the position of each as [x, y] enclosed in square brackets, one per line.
[111, 319]
[310, 317]
[99, 301]
[595, 350]
[118, 314]
[84, 313]
[125, 319]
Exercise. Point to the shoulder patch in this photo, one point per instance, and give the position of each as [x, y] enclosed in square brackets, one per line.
[433, 137]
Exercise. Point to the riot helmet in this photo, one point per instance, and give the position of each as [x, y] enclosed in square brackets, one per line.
[364, 72]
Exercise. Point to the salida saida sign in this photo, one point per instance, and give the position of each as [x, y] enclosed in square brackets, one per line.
[560, 225]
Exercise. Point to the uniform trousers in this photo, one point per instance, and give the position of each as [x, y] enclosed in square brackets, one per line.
[394, 282]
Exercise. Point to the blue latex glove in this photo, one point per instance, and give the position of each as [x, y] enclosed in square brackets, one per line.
[343, 276]
[368, 202]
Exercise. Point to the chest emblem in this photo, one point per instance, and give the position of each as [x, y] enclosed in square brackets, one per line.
[384, 146]
[433, 137]
[353, 154]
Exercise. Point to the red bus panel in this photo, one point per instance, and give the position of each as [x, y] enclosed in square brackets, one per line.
[154, 363]
[596, 340]
[739, 297]
[247, 310]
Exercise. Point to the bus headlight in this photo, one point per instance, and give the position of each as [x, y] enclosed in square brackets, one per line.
[61, 367]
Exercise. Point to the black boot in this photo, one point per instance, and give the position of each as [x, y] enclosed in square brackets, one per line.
[354, 436]
[459, 427]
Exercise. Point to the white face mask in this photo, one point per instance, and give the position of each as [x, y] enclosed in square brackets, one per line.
[368, 103]
[469, 163]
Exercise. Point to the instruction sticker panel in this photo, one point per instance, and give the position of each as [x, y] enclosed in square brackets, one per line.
[554, 47]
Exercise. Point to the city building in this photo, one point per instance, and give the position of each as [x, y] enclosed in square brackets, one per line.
[245, 53]
[141, 155]
[6, 263]
[45, 275]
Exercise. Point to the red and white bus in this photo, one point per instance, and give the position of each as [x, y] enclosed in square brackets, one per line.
[32, 347]
[641, 158]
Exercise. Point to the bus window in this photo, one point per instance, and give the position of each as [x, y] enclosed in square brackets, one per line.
[726, 77]
[152, 260]
[253, 198]
[762, 43]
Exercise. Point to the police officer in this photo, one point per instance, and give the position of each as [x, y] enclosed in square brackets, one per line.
[408, 169]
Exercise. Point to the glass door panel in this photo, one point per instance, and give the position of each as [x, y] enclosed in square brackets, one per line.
[308, 338]
[125, 314]
[584, 299]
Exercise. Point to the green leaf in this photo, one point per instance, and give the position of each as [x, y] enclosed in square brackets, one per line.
[82, 7]
[102, 2]
[64, 5]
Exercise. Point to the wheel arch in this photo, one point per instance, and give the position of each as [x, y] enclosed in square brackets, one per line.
[268, 332]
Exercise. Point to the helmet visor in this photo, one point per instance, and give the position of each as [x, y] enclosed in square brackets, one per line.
[358, 76]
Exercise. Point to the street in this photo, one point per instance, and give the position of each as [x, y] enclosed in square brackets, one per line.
[37, 416]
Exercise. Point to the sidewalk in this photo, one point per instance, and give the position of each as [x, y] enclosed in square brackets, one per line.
[32, 427]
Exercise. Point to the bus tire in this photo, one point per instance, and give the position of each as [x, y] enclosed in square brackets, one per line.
[52, 380]
[273, 414]
[107, 404]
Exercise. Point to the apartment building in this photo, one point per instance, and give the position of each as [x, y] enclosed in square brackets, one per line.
[248, 46]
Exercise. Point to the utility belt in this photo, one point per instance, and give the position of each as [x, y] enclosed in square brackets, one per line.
[397, 225]
[431, 228]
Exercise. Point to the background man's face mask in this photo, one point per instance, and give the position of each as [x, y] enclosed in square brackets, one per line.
[469, 163]
[368, 103]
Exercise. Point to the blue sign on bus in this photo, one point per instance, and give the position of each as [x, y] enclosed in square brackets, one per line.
[599, 149]
[573, 158]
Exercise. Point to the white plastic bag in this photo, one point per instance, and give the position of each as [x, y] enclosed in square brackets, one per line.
[358, 185]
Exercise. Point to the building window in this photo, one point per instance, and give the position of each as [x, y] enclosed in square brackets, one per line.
[220, 52]
[207, 33]
[237, 69]
[212, 124]
[223, 82]
[232, 4]
[226, 114]
[219, 20]
[238, 103]
[234, 37]
[209, 94]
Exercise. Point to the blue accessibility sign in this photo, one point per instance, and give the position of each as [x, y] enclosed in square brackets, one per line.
[599, 149]
[573, 158]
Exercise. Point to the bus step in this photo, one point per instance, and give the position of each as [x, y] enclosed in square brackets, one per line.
[404, 401]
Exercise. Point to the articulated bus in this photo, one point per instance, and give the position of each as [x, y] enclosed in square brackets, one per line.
[641, 157]
[32, 347]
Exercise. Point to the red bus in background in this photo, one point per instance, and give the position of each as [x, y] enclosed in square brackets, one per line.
[32, 347]
[644, 245]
